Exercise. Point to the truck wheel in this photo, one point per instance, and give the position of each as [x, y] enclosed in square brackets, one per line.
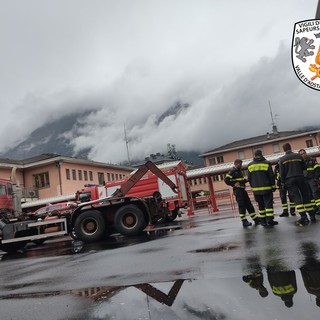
[129, 220]
[89, 226]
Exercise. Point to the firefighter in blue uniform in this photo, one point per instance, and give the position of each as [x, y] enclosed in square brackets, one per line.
[235, 179]
[292, 167]
[284, 195]
[312, 176]
[262, 181]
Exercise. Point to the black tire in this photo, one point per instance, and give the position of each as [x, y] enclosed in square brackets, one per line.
[129, 220]
[89, 226]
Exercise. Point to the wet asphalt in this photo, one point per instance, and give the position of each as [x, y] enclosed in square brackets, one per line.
[204, 266]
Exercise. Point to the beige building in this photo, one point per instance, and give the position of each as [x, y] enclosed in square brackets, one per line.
[219, 161]
[52, 175]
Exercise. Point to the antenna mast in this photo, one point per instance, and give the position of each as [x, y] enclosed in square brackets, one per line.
[272, 120]
[274, 126]
[127, 144]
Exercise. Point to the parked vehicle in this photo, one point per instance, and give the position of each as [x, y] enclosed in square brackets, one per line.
[54, 210]
[16, 228]
[150, 185]
[121, 212]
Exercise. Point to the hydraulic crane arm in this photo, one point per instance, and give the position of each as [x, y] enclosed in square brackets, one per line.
[124, 189]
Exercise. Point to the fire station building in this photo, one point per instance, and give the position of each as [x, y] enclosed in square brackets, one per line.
[219, 161]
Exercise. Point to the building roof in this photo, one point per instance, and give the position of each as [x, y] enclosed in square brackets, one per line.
[225, 167]
[258, 140]
[46, 158]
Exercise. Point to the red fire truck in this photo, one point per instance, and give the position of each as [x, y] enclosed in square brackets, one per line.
[150, 185]
[17, 229]
[125, 212]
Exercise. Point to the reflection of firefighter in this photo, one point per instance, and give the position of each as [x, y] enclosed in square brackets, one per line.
[255, 278]
[310, 271]
[283, 192]
[282, 280]
[283, 284]
[252, 269]
[235, 179]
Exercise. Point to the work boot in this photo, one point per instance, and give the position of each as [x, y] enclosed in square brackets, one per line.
[263, 221]
[312, 217]
[256, 221]
[246, 223]
[292, 212]
[271, 222]
[284, 214]
[303, 221]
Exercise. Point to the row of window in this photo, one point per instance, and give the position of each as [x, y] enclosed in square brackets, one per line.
[79, 175]
[241, 154]
[42, 180]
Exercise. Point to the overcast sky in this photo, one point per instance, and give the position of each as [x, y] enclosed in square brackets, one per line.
[133, 59]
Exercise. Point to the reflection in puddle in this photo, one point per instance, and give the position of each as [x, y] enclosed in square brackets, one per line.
[228, 298]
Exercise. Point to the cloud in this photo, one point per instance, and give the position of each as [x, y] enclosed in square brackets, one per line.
[130, 62]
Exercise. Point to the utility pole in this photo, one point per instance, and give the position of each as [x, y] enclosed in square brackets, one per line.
[127, 144]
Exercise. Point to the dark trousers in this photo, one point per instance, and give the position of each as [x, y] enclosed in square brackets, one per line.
[244, 203]
[314, 191]
[265, 204]
[284, 201]
[299, 190]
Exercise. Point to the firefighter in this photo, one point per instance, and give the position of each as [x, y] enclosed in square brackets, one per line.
[254, 277]
[292, 168]
[310, 270]
[312, 176]
[262, 181]
[284, 195]
[235, 179]
[283, 284]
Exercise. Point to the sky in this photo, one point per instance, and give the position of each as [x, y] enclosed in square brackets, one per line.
[131, 60]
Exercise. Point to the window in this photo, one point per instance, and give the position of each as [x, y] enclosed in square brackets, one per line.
[3, 190]
[309, 143]
[85, 174]
[241, 155]
[41, 180]
[90, 176]
[9, 186]
[212, 161]
[215, 177]
[68, 174]
[195, 182]
[200, 180]
[117, 177]
[74, 175]
[220, 159]
[276, 148]
[80, 174]
[112, 176]
[101, 178]
[108, 176]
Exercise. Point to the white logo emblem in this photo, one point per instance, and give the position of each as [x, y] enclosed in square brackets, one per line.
[305, 52]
